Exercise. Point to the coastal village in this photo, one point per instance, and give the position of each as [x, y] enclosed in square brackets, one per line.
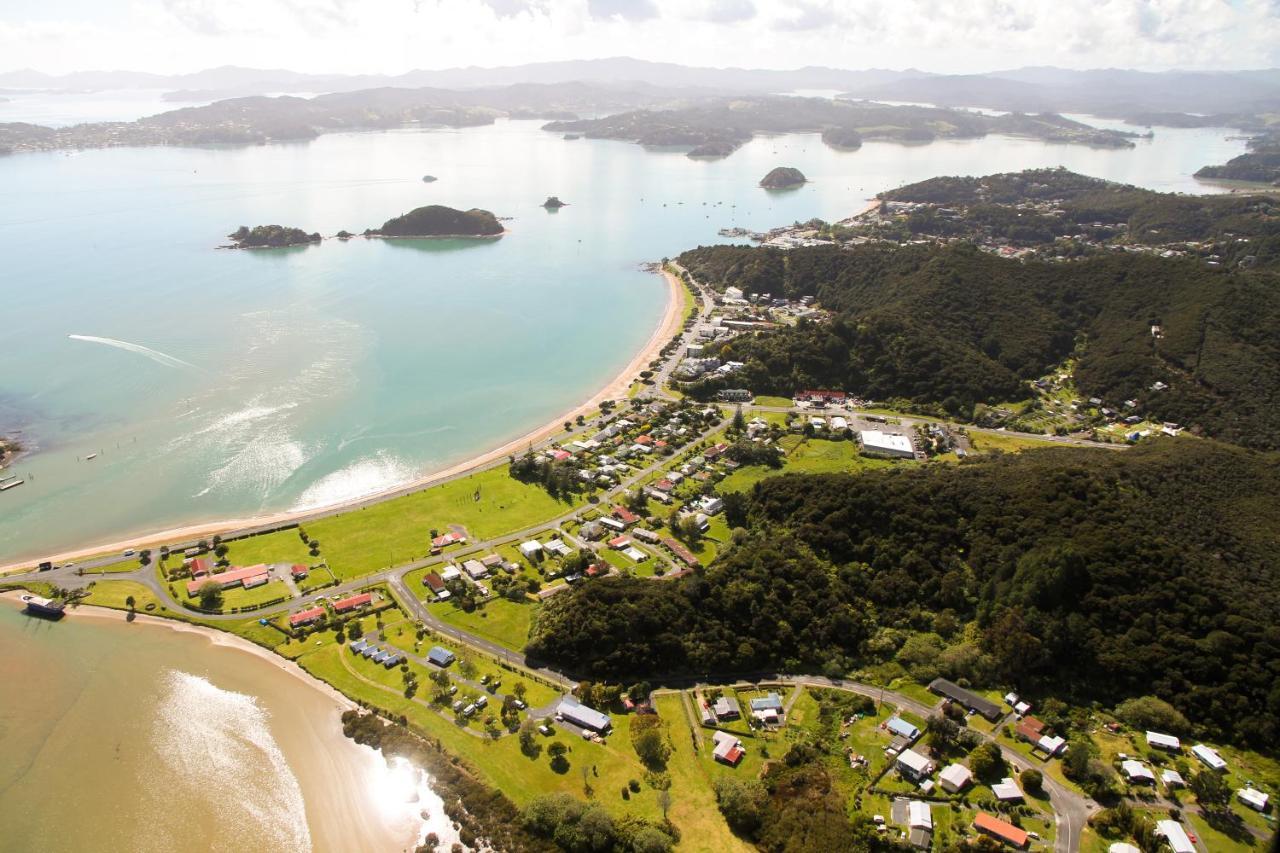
[432, 631]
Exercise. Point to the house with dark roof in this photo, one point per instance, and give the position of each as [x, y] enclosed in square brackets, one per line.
[984, 707]
[440, 656]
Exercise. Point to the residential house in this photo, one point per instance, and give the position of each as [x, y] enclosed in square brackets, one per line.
[591, 531]
[728, 749]
[901, 727]
[955, 778]
[1007, 791]
[711, 504]
[475, 569]
[1162, 741]
[435, 583]
[726, 708]
[1253, 798]
[1172, 779]
[626, 516]
[306, 617]
[247, 577]
[619, 543]
[646, 535]
[531, 550]
[912, 765]
[450, 573]
[299, 571]
[1137, 773]
[440, 656]
[557, 547]
[1209, 756]
[1175, 835]
[1000, 830]
[353, 602]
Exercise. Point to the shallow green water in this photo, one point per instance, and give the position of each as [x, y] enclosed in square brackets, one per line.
[275, 380]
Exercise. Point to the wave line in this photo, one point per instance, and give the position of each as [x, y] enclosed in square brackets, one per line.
[138, 349]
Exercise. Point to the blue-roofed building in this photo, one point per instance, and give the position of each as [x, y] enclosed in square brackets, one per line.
[901, 727]
[381, 657]
[772, 702]
[393, 658]
[371, 651]
[440, 656]
[359, 646]
[589, 718]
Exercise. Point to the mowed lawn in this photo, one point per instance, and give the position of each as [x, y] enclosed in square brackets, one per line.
[501, 620]
[283, 546]
[987, 442]
[488, 504]
[807, 456]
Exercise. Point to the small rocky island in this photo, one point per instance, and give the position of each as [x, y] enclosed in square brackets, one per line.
[436, 220]
[553, 203]
[429, 179]
[270, 237]
[783, 178]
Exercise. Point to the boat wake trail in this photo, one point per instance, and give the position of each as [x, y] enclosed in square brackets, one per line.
[147, 352]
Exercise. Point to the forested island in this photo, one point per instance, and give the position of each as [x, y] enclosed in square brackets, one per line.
[436, 220]
[553, 203]
[719, 126]
[1095, 576]
[783, 178]
[270, 237]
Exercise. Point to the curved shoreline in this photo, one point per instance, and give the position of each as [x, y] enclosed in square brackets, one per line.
[670, 324]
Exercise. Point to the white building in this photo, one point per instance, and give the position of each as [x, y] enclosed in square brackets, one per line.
[1253, 798]
[450, 573]
[1168, 742]
[1172, 779]
[1007, 791]
[913, 765]
[1209, 756]
[532, 549]
[919, 816]
[839, 424]
[1173, 833]
[955, 778]
[892, 445]
[1137, 772]
[475, 569]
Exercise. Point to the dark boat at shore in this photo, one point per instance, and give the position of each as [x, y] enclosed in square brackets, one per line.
[46, 608]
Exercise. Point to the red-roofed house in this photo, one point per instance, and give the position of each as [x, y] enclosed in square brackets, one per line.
[247, 577]
[561, 455]
[617, 543]
[664, 485]
[199, 567]
[1030, 729]
[446, 539]
[682, 553]
[645, 440]
[625, 515]
[353, 602]
[306, 617]
[299, 571]
[1000, 830]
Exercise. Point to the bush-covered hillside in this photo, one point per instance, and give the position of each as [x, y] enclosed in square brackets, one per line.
[953, 327]
[271, 237]
[1092, 575]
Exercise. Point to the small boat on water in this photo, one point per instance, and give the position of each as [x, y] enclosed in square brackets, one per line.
[91, 456]
[49, 608]
[10, 483]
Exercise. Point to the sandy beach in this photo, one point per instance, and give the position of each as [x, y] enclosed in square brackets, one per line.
[671, 322]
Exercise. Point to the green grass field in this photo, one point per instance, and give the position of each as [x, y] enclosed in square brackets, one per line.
[987, 442]
[283, 546]
[807, 456]
[500, 620]
[238, 597]
[488, 504]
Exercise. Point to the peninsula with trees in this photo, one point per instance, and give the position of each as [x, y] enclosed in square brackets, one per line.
[716, 127]
[436, 220]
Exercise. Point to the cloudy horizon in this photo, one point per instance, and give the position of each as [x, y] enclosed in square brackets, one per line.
[396, 36]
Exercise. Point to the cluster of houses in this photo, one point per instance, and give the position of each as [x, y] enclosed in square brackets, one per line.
[370, 651]
[1136, 772]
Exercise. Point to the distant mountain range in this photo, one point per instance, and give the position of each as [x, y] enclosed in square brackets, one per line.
[1115, 92]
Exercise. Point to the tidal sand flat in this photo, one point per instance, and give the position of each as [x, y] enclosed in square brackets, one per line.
[154, 736]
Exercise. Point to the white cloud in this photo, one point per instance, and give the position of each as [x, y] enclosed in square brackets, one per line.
[391, 36]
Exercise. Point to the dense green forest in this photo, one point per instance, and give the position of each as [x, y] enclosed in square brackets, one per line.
[1086, 575]
[953, 327]
[436, 220]
[270, 236]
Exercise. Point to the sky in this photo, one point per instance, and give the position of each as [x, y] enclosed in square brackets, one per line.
[393, 36]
